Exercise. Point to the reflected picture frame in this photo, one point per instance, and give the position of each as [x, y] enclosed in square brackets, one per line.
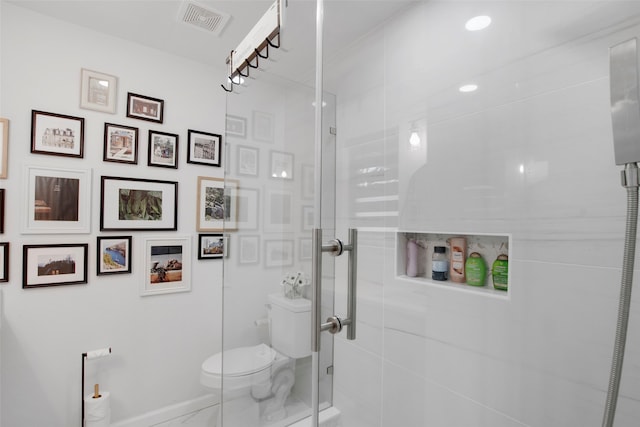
[236, 126]
[248, 161]
[57, 134]
[249, 249]
[263, 126]
[163, 149]
[278, 253]
[120, 144]
[114, 255]
[58, 201]
[128, 204]
[167, 264]
[143, 107]
[98, 91]
[4, 147]
[281, 165]
[278, 213]
[54, 264]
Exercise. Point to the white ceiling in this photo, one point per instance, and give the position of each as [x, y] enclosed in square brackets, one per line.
[156, 24]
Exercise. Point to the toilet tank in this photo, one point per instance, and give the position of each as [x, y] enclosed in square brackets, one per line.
[290, 325]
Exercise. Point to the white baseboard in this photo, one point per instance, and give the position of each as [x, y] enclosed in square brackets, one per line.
[168, 413]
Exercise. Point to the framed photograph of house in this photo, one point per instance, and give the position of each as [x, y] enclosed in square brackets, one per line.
[163, 149]
[236, 126]
[120, 144]
[57, 134]
[4, 146]
[212, 246]
[248, 161]
[138, 204]
[263, 128]
[4, 262]
[54, 265]
[57, 201]
[248, 249]
[281, 165]
[114, 255]
[167, 266]
[217, 204]
[204, 148]
[145, 108]
[98, 91]
[278, 253]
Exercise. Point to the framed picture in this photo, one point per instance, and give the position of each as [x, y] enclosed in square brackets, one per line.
[307, 218]
[248, 161]
[53, 265]
[57, 200]
[307, 181]
[4, 146]
[217, 204]
[247, 204]
[145, 108]
[98, 91]
[278, 212]
[248, 249]
[278, 253]
[236, 126]
[167, 266]
[138, 204]
[212, 246]
[204, 148]
[4, 262]
[305, 249]
[57, 134]
[1, 210]
[281, 165]
[120, 144]
[163, 149]
[114, 255]
[263, 129]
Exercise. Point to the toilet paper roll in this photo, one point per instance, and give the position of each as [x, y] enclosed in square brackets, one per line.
[97, 411]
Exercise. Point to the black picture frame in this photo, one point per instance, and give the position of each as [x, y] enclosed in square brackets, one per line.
[145, 108]
[4, 259]
[204, 148]
[66, 264]
[128, 204]
[163, 149]
[113, 255]
[57, 134]
[2, 190]
[120, 144]
[212, 246]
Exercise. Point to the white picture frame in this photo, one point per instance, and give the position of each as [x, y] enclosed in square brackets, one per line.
[263, 128]
[167, 264]
[281, 165]
[247, 202]
[278, 213]
[278, 253]
[58, 201]
[98, 91]
[248, 249]
[248, 161]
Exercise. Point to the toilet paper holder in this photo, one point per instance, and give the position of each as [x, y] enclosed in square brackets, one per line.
[94, 354]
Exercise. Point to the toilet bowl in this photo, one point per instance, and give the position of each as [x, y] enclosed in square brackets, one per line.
[265, 374]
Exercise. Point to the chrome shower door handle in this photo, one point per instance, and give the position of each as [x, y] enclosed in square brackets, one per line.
[334, 324]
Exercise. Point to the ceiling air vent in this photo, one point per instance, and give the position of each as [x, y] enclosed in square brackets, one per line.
[202, 17]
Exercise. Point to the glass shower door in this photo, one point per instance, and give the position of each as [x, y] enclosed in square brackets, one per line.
[271, 182]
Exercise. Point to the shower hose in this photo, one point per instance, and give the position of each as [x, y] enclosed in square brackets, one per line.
[630, 182]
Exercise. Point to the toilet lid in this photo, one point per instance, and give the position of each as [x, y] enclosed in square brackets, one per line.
[240, 361]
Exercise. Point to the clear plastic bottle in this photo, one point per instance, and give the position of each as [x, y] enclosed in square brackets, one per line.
[439, 264]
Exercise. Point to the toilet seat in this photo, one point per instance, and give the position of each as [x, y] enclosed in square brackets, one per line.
[242, 366]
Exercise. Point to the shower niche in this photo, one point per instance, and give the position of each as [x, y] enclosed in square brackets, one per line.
[490, 247]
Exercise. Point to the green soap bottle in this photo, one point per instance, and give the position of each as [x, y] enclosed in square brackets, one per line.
[475, 270]
[500, 272]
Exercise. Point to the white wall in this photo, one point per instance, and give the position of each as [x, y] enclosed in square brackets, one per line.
[439, 356]
[158, 341]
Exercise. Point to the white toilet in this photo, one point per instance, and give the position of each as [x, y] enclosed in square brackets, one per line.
[266, 374]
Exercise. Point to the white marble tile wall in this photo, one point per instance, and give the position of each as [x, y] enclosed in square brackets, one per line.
[530, 154]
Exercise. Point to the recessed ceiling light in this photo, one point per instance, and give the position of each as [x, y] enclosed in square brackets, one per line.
[478, 23]
[468, 88]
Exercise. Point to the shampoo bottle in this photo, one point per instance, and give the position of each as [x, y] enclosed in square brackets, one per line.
[500, 272]
[475, 269]
[458, 255]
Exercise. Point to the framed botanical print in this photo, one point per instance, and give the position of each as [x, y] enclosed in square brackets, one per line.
[138, 204]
